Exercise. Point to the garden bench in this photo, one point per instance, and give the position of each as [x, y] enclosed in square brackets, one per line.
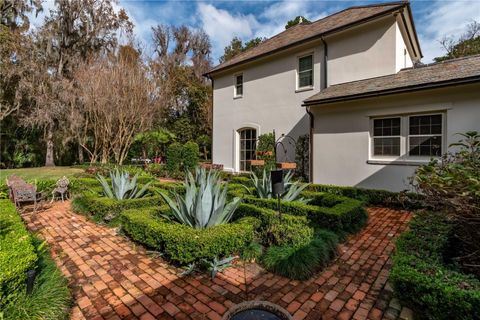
[61, 188]
[21, 192]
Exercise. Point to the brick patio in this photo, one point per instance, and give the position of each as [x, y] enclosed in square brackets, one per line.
[112, 278]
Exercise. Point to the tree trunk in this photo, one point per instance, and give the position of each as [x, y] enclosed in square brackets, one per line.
[49, 158]
[81, 158]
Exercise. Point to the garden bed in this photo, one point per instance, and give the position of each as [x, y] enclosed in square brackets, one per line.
[424, 280]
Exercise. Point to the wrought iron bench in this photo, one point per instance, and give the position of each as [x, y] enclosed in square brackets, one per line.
[21, 192]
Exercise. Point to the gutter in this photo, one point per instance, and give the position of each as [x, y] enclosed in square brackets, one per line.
[386, 92]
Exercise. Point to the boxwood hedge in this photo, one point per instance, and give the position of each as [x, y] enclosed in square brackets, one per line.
[325, 210]
[17, 254]
[103, 208]
[424, 281]
[183, 244]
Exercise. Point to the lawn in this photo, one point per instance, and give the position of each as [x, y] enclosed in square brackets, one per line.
[40, 172]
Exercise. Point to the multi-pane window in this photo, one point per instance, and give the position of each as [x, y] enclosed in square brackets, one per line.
[248, 143]
[239, 85]
[407, 137]
[305, 72]
[386, 137]
[425, 135]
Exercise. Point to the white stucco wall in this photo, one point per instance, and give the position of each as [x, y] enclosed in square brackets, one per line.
[402, 55]
[270, 102]
[364, 52]
[342, 134]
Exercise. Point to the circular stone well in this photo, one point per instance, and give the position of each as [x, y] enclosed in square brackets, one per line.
[253, 310]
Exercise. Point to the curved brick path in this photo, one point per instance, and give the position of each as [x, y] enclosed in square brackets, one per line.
[111, 278]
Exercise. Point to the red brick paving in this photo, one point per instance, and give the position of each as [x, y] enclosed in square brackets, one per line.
[112, 278]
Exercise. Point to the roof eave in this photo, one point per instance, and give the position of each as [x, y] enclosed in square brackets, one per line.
[386, 92]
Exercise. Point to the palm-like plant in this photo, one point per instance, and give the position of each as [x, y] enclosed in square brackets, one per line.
[263, 187]
[122, 186]
[205, 201]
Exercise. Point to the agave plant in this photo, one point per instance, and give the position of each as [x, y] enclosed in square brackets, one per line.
[205, 201]
[122, 186]
[215, 266]
[263, 187]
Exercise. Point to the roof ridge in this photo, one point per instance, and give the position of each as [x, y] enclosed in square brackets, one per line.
[431, 64]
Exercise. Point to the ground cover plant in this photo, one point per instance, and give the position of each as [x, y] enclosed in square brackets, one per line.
[20, 252]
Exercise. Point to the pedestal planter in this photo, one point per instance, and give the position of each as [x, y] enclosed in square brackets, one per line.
[286, 165]
[257, 162]
[264, 153]
[253, 310]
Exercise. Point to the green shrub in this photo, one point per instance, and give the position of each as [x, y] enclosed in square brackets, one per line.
[424, 281]
[106, 209]
[183, 244]
[50, 298]
[372, 196]
[17, 254]
[174, 158]
[346, 214]
[190, 155]
[273, 230]
[156, 169]
[301, 262]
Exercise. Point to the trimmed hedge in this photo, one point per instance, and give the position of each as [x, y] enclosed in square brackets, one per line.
[372, 196]
[103, 208]
[183, 244]
[424, 281]
[273, 230]
[17, 254]
[327, 211]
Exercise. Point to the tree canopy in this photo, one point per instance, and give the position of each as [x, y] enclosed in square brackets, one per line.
[297, 20]
[466, 45]
[236, 47]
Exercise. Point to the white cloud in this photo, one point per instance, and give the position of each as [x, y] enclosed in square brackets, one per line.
[445, 18]
[221, 26]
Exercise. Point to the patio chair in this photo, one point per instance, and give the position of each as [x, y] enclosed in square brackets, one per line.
[61, 188]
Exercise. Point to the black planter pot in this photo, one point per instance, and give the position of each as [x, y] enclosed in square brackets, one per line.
[257, 310]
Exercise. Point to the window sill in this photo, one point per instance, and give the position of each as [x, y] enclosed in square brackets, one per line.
[304, 89]
[398, 162]
[237, 97]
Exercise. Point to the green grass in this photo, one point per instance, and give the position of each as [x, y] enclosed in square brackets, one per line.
[40, 172]
[50, 299]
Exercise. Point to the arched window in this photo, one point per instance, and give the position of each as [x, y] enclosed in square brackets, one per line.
[248, 144]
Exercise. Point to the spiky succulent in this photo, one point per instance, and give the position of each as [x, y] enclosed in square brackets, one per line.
[263, 187]
[204, 203]
[122, 186]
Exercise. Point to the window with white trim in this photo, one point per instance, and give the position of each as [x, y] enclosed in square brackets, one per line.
[386, 137]
[238, 85]
[248, 145]
[305, 72]
[425, 135]
[407, 137]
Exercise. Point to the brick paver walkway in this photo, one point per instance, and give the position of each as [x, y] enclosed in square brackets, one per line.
[112, 278]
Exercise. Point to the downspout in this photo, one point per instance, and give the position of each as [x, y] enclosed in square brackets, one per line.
[323, 85]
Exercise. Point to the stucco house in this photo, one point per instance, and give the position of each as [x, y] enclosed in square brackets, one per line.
[354, 82]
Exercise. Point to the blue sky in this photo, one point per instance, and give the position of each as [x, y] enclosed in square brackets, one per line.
[223, 20]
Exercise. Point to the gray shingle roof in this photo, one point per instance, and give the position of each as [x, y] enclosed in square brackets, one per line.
[461, 70]
[305, 32]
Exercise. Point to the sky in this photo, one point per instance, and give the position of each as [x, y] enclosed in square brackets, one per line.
[246, 19]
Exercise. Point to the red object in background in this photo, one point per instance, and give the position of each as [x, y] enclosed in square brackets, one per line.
[157, 160]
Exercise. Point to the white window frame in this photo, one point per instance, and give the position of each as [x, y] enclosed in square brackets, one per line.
[372, 133]
[442, 135]
[404, 157]
[297, 85]
[235, 85]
